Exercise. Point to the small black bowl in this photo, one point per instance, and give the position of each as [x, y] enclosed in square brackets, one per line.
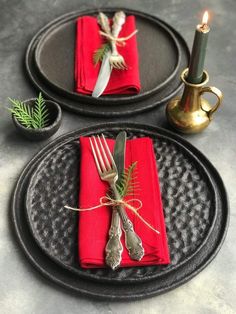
[54, 123]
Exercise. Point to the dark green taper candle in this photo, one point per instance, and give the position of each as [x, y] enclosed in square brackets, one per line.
[196, 65]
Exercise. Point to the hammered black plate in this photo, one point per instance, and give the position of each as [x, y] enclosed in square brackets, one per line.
[196, 214]
[188, 198]
[50, 65]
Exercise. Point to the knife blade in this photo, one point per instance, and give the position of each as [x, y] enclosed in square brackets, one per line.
[103, 76]
[119, 153]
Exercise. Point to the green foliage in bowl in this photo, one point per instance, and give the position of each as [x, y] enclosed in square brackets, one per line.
[35, 117]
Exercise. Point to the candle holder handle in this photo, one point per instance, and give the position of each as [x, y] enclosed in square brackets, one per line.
[217, 93]
[191, 113]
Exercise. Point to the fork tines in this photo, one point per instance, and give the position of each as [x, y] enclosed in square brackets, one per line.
[102, 154]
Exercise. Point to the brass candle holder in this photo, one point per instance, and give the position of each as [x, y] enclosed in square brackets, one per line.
[191, 113]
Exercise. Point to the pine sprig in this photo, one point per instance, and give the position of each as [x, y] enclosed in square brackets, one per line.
[128, 183]
[100, 53]
[22, 112]
[40, 113]
[35, 117]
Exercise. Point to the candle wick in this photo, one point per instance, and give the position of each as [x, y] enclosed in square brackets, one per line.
[204, 26]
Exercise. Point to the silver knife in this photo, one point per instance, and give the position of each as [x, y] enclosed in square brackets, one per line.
[114, 246]
[103, 76]
[133, 242]
[106, 67]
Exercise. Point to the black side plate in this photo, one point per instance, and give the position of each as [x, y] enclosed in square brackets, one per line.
[50, 65]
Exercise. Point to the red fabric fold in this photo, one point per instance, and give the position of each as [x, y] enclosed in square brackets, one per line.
[88, 40]
[94, 225]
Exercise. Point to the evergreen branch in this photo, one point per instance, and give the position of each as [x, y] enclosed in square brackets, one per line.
[100, 53]
[22, 112]
[40, 113]
[31, 117]
[127, 184]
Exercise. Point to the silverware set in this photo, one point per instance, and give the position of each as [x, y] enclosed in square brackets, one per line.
[108, 172]
[113, 59]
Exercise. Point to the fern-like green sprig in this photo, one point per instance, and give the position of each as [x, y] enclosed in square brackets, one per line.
[100, 53]
[22, 112]
[40, 113]
[35, 117]
[128, 184]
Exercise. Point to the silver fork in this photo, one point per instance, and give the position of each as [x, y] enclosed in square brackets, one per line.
[116, 60]
[108, 172]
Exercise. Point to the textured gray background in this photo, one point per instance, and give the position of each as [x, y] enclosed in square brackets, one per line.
[22, 289]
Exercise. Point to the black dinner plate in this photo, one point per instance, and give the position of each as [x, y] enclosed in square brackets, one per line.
[196, 218]
[163, 54]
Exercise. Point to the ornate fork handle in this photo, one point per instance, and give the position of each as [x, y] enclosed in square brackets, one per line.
[118, 21]
[132, 241]
[114, 246]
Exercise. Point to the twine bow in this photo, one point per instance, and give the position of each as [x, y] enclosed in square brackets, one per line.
[108, 201]
[120, 41]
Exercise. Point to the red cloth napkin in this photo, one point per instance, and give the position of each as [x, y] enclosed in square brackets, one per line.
[88, 40]
[94, 225]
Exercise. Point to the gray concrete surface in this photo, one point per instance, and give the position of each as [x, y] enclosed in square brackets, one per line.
[22, 289]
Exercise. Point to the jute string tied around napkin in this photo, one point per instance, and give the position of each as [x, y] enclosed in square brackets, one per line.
[120, 41]
[108, 201]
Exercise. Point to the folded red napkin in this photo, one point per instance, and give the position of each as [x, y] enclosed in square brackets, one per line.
[94, 225]
[88, 40]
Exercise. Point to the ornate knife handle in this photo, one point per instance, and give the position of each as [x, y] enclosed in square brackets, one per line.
[103, 21]
[132, 241]
[114, 246]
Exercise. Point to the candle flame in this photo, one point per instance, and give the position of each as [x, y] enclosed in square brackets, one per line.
[205, 18]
